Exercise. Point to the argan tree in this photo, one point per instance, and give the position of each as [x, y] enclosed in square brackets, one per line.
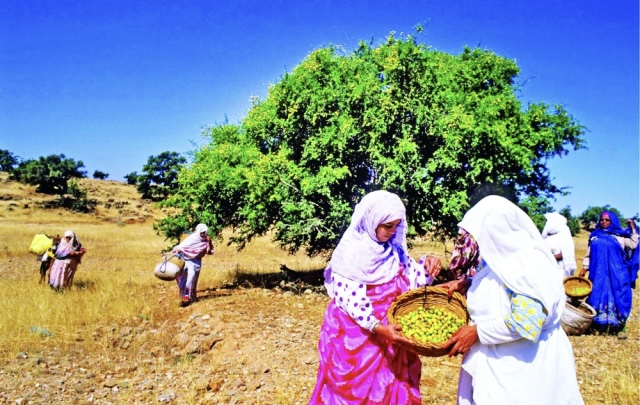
[159, 176]
[8, 161]
[51, 174]
[100, 175]
[440, 130]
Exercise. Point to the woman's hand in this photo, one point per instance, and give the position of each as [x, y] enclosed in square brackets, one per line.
[390, 333]
[462, 340]
[432, 266]
[460, 285]
[583, 272]
[632, 224]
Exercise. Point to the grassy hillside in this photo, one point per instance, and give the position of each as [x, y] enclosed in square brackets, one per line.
[119, 336]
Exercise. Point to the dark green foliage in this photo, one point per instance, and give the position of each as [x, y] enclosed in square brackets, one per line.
[76, 199]
[100, 175]
[440, 130]
[8, 160]
[536, 207]
[159, 177]
[51, 174]
[131, 178]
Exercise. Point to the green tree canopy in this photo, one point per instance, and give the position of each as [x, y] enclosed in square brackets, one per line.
[51, 174]
[438, 129]
[131, 178]
[159, 175]
[97, 174]
[8, 160]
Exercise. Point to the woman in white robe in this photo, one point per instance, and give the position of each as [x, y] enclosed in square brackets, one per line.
[557, 236]
[515, 351]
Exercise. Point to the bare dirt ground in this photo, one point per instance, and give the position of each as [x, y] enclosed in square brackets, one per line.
[234, 346]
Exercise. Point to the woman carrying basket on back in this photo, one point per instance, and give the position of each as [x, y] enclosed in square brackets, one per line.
[192, 250]
[361, 360]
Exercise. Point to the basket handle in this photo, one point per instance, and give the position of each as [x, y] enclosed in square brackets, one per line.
[424, 297]
[167, 257]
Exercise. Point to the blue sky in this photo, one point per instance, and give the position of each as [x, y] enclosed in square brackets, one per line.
[114, 82]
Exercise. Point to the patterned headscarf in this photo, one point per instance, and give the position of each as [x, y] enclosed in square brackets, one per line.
[465, 256]
[359, 255]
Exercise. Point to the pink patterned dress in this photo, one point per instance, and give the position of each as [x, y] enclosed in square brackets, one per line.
[357, 367]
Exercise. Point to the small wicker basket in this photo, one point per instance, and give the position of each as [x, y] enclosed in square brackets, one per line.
[428, 297]
[576, 319]
[573, 282]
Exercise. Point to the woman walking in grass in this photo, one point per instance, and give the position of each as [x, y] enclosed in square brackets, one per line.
[192, 250]
[67, 258]
[361, 359]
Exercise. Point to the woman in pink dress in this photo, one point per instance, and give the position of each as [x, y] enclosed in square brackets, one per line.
[67, 258]
[361, 359]
[192, 250]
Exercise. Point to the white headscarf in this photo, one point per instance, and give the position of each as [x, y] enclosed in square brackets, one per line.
[558, 236]
[65, 247]
[359, 255]
[194, 244]
[514, 249]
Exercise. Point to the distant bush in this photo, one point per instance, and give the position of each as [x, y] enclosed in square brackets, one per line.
[76, 199]
[100, 175]
[131, 178]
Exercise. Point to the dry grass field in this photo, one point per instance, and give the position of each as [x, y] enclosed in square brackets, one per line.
[119, 337]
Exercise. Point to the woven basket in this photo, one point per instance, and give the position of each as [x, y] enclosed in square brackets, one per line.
[576, 319]
[428, 297]
[572, 282]
[170, 268]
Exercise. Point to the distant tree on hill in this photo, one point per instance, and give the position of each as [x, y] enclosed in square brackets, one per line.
[100, 175]
[76, 199]
[131, 178]
[51, 174]
[159, 177]
[590, 216]
[8, 160]
[440, 130]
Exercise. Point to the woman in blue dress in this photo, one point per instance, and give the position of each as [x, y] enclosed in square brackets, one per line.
[609, 262]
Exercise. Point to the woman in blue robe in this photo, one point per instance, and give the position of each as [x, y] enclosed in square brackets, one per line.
[609, 262]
